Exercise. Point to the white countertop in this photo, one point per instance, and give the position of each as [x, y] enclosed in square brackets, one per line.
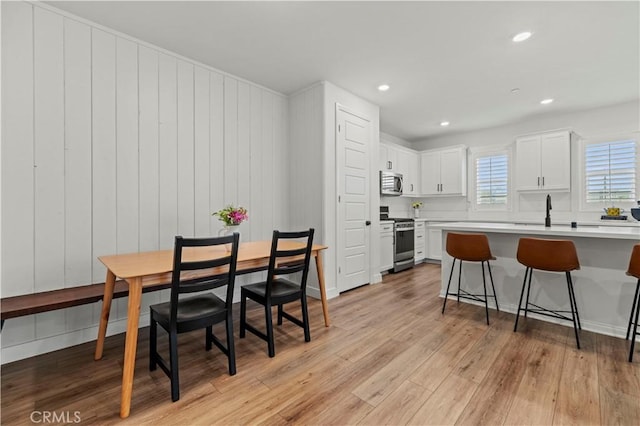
[615, 232]
[619, 223]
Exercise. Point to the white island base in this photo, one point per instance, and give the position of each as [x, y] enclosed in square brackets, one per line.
[604, 292]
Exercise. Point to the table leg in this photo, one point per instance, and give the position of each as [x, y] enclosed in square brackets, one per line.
[323, 292]
[131, 342]
[109, 285]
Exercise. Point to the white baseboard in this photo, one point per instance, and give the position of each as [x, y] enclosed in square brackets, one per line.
[61, 341]
[315, 293]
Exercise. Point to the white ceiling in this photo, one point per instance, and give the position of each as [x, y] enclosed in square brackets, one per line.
[450, 61]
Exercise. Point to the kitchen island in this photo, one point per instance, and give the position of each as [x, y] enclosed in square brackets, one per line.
[603, 291]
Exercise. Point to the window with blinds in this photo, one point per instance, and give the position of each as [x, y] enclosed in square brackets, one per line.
[491, 179]
[610, 171]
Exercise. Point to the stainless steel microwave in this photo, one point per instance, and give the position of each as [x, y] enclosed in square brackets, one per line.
[390, 183]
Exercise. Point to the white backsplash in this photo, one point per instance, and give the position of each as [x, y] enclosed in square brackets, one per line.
[529, 208]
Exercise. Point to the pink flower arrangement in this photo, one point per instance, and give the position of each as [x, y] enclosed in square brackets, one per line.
[231, 215]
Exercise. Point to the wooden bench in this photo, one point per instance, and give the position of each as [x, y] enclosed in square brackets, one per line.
[29, 304]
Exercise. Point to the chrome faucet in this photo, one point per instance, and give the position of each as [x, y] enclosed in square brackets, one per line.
[547, 220]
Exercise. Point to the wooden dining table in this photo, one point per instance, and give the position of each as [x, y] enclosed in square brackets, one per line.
[149, 269]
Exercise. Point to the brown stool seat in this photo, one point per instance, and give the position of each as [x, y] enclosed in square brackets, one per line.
[470, 248]
[552, 256]
[548, 255]
[634, 262]
[634, 271]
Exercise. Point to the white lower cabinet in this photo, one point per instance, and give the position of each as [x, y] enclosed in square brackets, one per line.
[386, 246]
[420, 252]
[435, 244]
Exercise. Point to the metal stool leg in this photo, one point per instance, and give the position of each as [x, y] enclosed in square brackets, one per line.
[575, 303]
[526, 306]
[459, 278]
[446, 294]
[495, 296]
[633, 309]
[574, 308]
[524, 284]
[486, 299]
[635, 326]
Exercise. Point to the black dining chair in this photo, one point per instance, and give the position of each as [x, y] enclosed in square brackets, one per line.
[287, 257]
[208, 263]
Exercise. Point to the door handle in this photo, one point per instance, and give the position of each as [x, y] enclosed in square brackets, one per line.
[368, 222]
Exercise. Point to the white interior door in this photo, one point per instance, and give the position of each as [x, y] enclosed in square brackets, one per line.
[353, 139]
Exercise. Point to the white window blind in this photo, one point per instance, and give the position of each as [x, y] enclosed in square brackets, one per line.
[491, 179]
[610, 170]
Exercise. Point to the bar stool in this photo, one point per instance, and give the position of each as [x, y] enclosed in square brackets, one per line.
[470, 248]
[634, 271]
[553, 256]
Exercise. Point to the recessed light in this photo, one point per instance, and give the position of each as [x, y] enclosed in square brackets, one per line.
[515, 90]
[521, 36]
[444, 123]
[546, 101]
[383, 87]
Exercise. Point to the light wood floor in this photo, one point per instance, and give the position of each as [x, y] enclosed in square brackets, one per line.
[390, 357]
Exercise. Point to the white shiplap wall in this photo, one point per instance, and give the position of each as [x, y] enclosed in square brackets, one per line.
[111, 145]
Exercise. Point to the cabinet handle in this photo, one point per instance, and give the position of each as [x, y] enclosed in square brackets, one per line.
[411, 187]
[538, 180]
[542, 180]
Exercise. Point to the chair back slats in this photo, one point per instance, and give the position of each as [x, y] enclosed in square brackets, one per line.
[291, 259]
[203, 273]
[291, 252]
[288, 235]
[205, 264]
[202, 284]
[289, 269]
[207, 241]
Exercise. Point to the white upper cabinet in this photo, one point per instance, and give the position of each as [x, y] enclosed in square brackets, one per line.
[444, 172]
[430, 168]
[543, 162]
[414, 174]
[404, 161]
[388, 158]
[408, 166]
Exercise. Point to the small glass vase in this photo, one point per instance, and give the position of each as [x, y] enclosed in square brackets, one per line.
[228, 230]
[416, 213]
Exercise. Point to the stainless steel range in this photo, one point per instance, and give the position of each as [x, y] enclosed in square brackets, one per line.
[403, 245]
[403, 248]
